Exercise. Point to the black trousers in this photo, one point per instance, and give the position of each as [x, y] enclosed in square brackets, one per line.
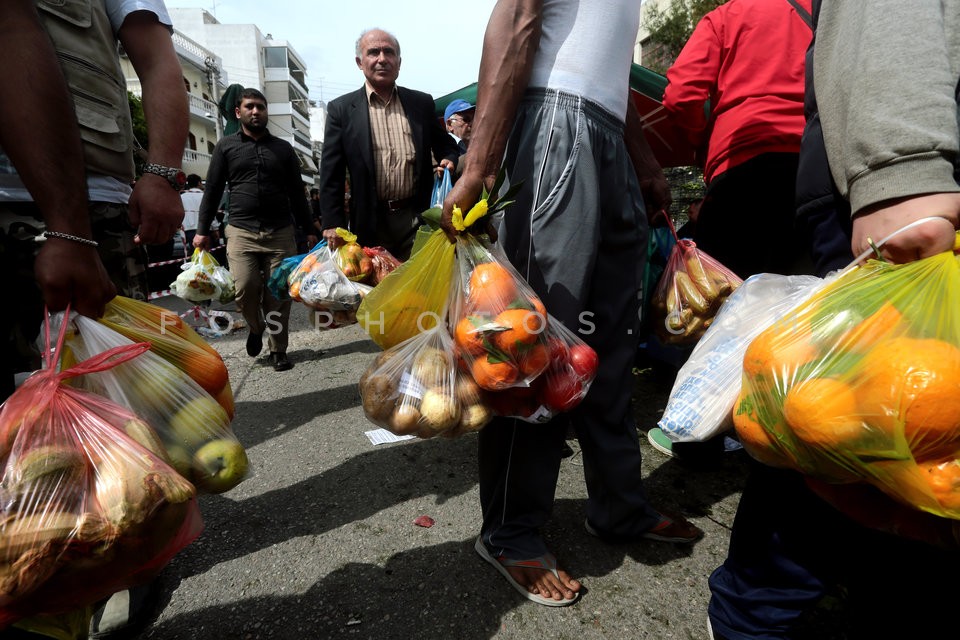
[747, 220]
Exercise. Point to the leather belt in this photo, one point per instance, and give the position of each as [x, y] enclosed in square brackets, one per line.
[397, 205]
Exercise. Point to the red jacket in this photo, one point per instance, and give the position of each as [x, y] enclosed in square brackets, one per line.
[746, 58]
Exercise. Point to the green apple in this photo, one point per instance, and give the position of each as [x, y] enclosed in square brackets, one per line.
[219, 465]
[198, 422]
[181, 460]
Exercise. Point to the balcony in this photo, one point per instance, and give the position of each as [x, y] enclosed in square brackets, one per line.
[202, 108]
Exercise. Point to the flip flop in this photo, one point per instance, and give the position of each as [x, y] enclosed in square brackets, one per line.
[667, 530]
[546, 562]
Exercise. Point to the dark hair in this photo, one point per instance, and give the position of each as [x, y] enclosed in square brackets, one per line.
[314, 190]
[193, 181]
[248, 93]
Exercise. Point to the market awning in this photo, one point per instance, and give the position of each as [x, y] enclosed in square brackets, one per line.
[647, 88]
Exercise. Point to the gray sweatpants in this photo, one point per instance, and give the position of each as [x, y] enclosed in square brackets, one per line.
[578, 233]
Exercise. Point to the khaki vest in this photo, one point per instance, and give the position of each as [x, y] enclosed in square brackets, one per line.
[87, 49]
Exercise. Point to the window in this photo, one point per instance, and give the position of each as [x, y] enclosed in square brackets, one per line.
[275, 57]
[186, 83]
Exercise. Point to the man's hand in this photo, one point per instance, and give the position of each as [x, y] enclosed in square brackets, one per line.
[444, 164]
[875, 223]
[201, 242]
[333, 240]
[69, 272]
[156, 209]
[465, 193]
[656, 194]
[311, 241]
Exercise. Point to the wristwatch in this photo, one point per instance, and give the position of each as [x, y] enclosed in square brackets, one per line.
[176, 177]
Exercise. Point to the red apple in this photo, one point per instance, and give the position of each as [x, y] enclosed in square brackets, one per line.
[584, 361]
[563, 391]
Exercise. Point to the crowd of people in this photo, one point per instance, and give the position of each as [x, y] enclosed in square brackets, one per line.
[821, 126]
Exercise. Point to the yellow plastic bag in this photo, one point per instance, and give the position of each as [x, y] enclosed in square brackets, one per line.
[861, 383]
[411, 299]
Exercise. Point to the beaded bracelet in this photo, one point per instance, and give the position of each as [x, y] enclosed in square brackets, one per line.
[67, 236]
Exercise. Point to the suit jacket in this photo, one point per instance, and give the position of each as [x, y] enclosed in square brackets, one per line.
[348, 145]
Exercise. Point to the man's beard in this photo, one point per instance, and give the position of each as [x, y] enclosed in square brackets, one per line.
[256, 127]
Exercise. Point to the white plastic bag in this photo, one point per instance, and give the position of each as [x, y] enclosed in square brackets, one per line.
[706, 388]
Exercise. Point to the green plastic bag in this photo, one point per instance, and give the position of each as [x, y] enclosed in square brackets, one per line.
[411, 299]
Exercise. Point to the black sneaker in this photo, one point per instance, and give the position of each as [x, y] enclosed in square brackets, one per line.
[254, 344]
[280, 362]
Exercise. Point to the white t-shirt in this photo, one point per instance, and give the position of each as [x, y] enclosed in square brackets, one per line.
[100, 188]
[586, 49]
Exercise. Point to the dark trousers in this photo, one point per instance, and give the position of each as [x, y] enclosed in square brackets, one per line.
[747, 220]
[789, 548]
[397, 229]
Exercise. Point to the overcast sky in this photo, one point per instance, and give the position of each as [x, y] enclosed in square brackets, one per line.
[440, 41]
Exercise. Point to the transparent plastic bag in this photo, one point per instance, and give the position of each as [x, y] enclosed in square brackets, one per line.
[180, 422]
[204, 279]
[350, 257]
[324, 320]
[383, 263]
[86, 511]
[441, 187]
[691, 290]
[410, 299]
[861, 383]
[173, 340]
[414, 388]
[707, 385]
[279, 281]
[320, 284]
[562, 385]
[497, 321]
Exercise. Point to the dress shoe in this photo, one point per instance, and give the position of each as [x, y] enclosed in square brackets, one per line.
[254, 344]
[280, 362]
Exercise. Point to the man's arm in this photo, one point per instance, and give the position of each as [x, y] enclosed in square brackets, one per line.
[298, 200]
[154, 205]
[212, 195]
[509, 45]
[333, 175]
[653, 183]
[690, 81]
[890, 121]
[39, 132]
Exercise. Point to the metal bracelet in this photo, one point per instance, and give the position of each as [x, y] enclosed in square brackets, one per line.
[67, 236]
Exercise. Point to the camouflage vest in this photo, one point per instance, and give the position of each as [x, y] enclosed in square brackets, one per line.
[87, 49]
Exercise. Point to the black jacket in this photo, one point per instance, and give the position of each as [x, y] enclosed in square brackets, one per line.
[348, 146]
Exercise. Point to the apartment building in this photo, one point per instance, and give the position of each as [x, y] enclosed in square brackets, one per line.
[205, 81]
[253, 59]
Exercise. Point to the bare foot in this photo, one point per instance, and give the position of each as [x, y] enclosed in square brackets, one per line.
[542, 582]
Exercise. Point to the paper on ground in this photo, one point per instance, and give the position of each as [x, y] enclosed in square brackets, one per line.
[382, 436]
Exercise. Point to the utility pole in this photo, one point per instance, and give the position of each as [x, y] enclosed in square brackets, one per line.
[213, 77]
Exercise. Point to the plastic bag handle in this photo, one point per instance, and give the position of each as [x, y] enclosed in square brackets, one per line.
[100, 362]
[441, 187]
[866, 254]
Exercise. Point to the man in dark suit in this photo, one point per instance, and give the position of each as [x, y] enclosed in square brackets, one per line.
[383, 135]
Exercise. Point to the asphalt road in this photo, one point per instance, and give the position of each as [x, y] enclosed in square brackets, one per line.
[319, 542]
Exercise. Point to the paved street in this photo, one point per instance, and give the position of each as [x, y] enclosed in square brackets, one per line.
[319, 541]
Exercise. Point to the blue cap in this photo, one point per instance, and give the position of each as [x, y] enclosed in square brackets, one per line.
[456, 106]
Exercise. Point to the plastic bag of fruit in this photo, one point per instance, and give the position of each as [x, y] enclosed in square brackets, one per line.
[279, 281]
[320, 284]
[204, 279]
[707, 385]
[498, 322]
[86, 510]
[355, 264]
[415, 388]
[862, 383]
[383, 261]
[571, 366]
[180, 422]
[412, 298]
[689, 293]
[173, 340]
